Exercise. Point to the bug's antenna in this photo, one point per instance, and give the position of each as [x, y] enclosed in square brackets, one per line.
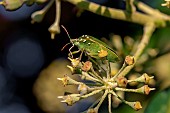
[67, 33]
[64, 46]
[70, 41]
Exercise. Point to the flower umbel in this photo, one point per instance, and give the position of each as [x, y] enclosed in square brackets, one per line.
[103, 82]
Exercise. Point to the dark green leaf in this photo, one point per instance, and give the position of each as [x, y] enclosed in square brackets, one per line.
[160, 103]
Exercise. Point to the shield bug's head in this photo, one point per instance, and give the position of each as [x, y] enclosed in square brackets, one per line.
[75, 42]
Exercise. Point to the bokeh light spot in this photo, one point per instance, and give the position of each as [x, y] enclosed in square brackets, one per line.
[24, 57]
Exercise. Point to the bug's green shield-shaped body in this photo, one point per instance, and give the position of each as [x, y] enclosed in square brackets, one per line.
[93, 46]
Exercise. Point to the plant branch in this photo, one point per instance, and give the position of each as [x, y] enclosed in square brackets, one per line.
[119, 14]
[109, 103]
[38, 16]
[148, 30]
[149, 10]
[55, 28]
[130, 6]
[102, 99]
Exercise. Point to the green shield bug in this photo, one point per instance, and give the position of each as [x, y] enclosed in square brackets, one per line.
[93, 47]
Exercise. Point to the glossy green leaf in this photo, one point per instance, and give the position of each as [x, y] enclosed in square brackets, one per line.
[160, 103]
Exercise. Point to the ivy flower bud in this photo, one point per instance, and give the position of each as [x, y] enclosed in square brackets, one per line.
[87, 66]
[135, 105]
[70, 99]
[75, 62]
[92, 110]
[66, 80]
[129, 60]
[145, 89]
[121, 81]
[144, 78]
[83, 89]
[147, 78]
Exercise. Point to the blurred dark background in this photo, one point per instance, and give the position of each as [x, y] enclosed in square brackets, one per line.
[26, 49]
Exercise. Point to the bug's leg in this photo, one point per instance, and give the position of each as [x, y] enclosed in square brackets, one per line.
[74, 52]
[97, 65]
[81, 54]
[70, 53]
